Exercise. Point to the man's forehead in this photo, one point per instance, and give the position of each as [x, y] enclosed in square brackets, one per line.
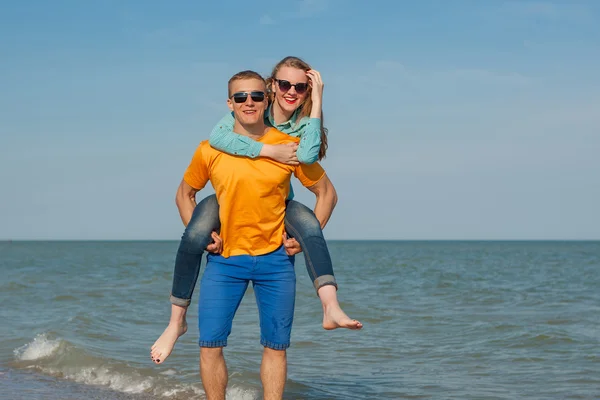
[246, 85]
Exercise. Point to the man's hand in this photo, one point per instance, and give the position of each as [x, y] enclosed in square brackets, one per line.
[283, 153]
[217, 246]
[291, 245]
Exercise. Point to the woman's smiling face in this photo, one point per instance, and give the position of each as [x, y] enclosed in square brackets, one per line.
[290, 100]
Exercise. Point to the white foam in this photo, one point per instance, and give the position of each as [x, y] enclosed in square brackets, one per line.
[40, 347]
[169, 372]
[105, 377]
[58, 358]
[233, 393]
[172, 392]
[125, 382]
[236, 393]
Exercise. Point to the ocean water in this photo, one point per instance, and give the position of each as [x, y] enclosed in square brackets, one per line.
[442, 320]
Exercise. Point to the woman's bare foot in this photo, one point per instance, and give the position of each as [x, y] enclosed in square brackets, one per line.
[162, 348]
[334, 317]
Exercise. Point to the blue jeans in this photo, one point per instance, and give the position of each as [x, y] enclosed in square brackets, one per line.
[300, 223]
[224, 284]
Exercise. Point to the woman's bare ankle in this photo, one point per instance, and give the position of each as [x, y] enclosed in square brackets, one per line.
[178, 315]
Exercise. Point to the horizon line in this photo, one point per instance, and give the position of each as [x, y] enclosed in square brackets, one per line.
[328, 240]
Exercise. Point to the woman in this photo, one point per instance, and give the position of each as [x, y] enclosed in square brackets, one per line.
[296, 93]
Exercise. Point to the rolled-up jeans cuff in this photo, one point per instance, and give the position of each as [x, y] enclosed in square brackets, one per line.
[180, 302]
[325, 280]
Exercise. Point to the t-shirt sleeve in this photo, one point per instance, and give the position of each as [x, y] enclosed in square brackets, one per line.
[196, 174]
[309, 174]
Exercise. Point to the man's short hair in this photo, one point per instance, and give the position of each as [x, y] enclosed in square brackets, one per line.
[243, 75]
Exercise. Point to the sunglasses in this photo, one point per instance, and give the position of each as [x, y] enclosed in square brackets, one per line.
[301, 87]
[241, 97]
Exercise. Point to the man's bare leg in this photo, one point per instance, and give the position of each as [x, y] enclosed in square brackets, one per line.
[213, 372]
[164, 345]
[333, 315]
[273, 373]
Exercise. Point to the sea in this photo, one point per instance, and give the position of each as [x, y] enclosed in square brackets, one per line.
[442, 320]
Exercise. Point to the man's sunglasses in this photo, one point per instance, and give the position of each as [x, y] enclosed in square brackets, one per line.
[301, 87]
[241, 97]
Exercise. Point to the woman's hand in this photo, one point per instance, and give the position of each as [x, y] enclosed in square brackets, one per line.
[316, 83]
[283, 153]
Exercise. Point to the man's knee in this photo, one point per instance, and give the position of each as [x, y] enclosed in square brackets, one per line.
[208, 354]
[273, 353]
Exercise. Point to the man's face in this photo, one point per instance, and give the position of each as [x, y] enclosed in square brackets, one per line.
[252, 110]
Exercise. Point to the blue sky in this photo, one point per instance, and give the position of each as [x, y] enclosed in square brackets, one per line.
[447, 119]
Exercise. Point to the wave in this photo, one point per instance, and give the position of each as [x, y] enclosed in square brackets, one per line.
[40, 347]
[61, 359]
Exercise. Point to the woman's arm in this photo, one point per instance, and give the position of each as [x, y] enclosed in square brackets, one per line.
[310, 141]
[224, 139]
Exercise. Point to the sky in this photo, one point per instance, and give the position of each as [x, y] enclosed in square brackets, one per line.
[448, 120]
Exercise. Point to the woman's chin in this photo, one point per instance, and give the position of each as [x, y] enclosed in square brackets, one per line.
[289, 107]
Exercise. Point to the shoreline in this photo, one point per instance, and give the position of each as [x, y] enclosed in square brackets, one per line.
[31, 385]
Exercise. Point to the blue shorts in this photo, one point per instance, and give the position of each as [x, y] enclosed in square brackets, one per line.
[223, 285]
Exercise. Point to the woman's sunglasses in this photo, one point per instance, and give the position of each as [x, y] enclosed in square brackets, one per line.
[241, 97]
[301, 87]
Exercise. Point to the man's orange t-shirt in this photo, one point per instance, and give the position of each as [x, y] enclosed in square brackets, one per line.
[251, 193]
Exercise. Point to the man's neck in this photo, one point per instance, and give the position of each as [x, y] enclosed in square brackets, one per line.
[252, 131]
[280, 116]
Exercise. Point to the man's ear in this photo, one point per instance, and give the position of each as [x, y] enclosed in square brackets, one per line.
[230, 104]
[270, 85]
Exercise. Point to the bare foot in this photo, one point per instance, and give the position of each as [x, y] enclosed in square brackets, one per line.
[334, 317]
[164, 345]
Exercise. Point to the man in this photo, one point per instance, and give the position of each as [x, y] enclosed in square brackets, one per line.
[251, 195]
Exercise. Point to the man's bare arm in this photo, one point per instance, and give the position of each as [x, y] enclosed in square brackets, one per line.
[326, 200]
[186, 201]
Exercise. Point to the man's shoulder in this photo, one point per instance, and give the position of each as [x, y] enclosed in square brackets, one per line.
[204, 151]
[274, 136]
[205, 148]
